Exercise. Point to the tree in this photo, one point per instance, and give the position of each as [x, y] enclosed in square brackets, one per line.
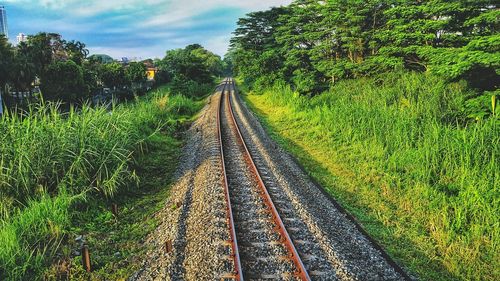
[91, 76]
[256, 35]
[228, 63]
[23, 71]
[63, 81]
[6, 61]
[76, 51]
[113, 75]
[136, 72]
[183, 63]
[298, 34]
[211, 61]
[42, 49]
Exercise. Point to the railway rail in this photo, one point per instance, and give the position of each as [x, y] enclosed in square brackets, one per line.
[261, 246]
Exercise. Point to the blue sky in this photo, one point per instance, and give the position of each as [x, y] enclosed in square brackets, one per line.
[134, 28]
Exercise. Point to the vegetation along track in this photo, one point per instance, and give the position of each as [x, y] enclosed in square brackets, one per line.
[272, 238]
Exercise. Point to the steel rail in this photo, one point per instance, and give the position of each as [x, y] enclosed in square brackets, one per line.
[238, 273]
[301, 271]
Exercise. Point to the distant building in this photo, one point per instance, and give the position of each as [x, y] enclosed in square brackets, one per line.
[151, 69]
[151, 72]
[3, 22]
[21, 37]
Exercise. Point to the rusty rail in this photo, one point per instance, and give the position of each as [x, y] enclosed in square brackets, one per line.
[238, 273]
[280, 227]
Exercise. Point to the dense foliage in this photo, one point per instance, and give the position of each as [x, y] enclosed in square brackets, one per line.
[191, 70]
[312, 44]
[66, 73]
[61, 68]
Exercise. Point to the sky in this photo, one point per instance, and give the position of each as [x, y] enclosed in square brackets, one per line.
[134, 28]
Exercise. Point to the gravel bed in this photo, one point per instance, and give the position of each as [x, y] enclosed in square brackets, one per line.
[261, 253]
[193, 219]
[331, 246]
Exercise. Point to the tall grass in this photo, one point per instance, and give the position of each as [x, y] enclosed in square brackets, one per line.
[400, 152]
[48, 159]
[29, 237]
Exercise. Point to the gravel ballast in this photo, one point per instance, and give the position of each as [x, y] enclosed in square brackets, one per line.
[193, 219]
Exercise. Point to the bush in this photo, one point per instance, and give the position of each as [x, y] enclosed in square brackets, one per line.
[182, 86]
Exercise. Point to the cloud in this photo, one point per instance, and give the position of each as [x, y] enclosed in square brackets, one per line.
[135, 27]
[219, 44]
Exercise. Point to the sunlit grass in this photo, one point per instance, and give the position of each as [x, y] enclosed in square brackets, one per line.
[398, 155]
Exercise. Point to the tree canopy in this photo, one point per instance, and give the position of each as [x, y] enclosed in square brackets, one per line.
[191, 70]
[63, 81]
[66, 72]
[312, 44]
[189, 63]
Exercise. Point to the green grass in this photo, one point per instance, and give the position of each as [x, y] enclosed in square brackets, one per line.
[58, 173]
[108, 235]
[396, 153]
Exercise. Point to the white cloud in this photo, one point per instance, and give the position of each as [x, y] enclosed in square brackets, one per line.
[218, 44]
[181, 13]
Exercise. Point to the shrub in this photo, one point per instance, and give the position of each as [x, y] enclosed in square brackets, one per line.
[183, 86]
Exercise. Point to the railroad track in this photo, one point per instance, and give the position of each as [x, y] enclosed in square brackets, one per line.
[261, 246]
[249, 213]
[272, 237]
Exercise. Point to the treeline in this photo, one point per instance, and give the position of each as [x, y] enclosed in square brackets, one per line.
[61, 69]
[64, 71]
[312, 44]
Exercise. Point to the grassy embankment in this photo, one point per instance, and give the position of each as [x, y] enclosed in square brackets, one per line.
[59, 175]
[390, 150]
